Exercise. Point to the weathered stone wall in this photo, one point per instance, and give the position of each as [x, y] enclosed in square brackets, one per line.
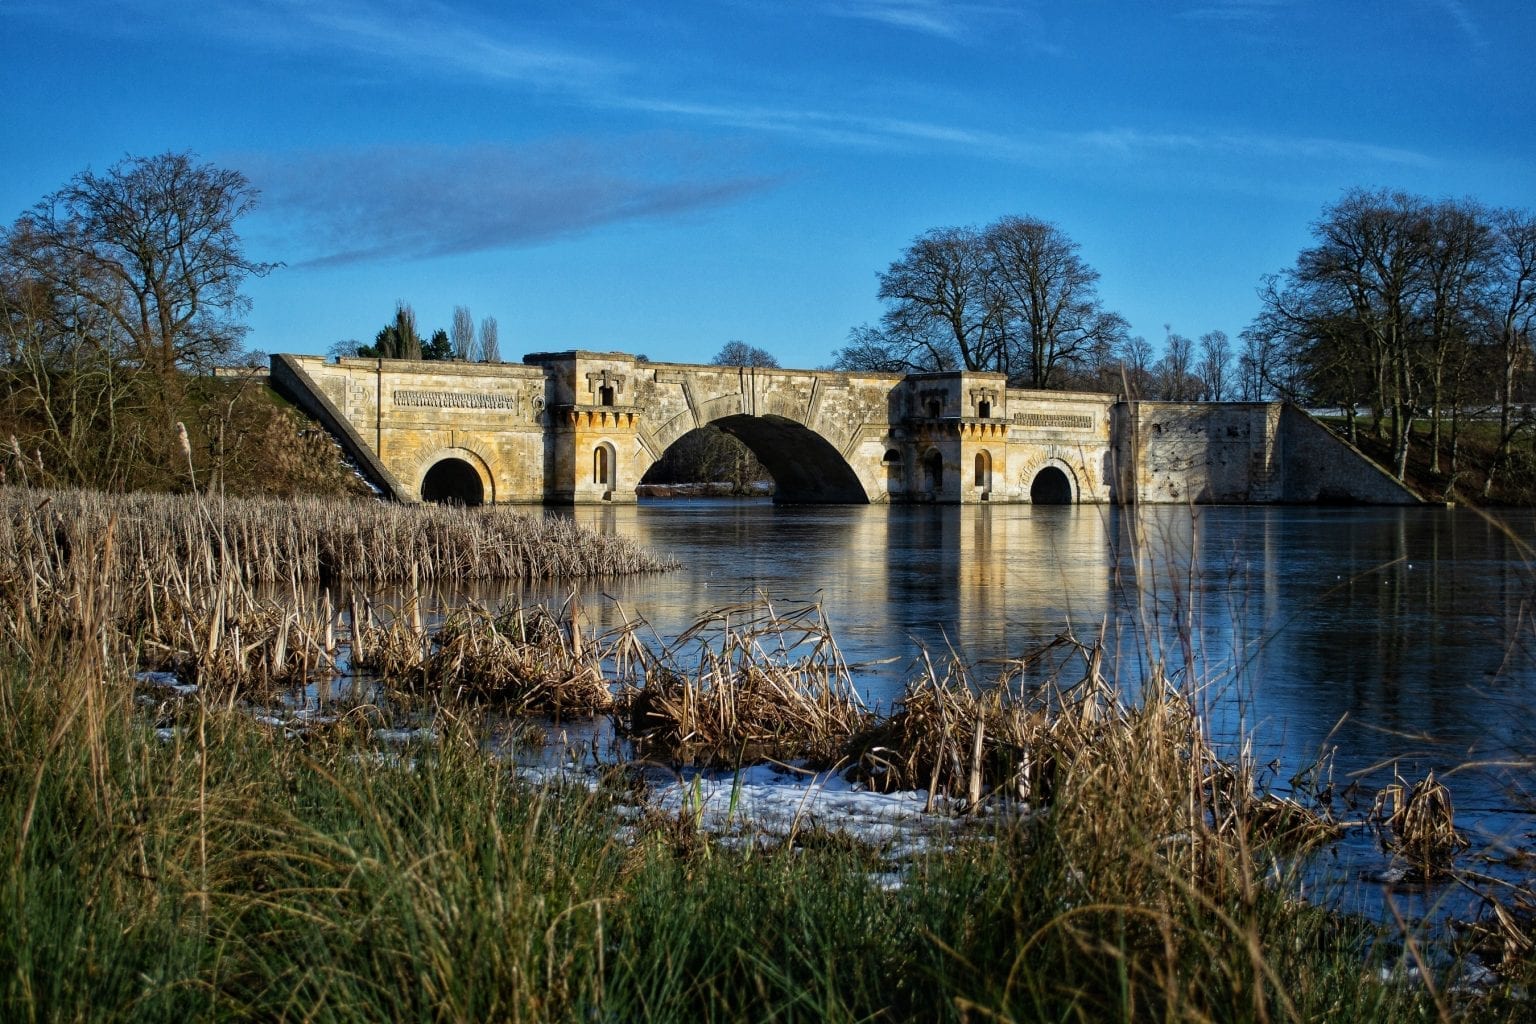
[1319, 466]
[1240, 453]
[1203, 453]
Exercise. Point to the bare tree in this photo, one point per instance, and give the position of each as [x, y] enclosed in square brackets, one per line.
[463, 333]
[1046, 298]
[939, 310]
[150, 245]
[1135, 356]
[1511, 316]
[490, 341]
[739, 353]
[1174, 381]
[1214, 366]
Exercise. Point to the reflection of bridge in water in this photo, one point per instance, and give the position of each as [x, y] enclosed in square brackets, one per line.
[580, 427]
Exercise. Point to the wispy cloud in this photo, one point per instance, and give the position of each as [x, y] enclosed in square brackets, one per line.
[390, 204]
[945, 19]
[1458, 12]
[417, 37]
[1238, 11]
[1042, 147]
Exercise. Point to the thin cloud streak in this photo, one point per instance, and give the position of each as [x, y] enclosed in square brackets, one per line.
[1042, 147]
[1459, 13]
[942, 19]
[413, 36]
[391, 204]
[1235, 11]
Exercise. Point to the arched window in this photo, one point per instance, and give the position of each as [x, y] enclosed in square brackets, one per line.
[933, 470]
[983, 470]
[933, 410]
[984, 409]
[603, 468]
[605, 395]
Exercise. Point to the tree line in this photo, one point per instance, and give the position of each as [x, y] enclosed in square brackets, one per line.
[399, 339]
[1016, 297]
[1407, 308]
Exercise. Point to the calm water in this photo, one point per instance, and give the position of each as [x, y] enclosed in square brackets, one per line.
[1390, 637]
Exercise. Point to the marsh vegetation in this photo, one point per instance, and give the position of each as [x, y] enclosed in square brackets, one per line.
[1091, 853]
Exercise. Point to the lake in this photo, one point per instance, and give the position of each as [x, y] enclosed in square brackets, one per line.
[1391, 638]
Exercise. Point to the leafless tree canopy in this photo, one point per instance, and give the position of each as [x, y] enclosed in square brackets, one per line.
[739, 353]
[1015, 298]
[490, 341]
[463, 333]
[147, 255]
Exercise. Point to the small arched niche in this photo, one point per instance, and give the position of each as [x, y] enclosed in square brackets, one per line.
[983, 479]
[605, 469]
[933, 472]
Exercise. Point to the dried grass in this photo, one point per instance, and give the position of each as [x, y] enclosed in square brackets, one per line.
[1420, 822]
[744, 684]
[521, 659]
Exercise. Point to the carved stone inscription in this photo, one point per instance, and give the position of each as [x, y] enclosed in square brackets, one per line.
[1065, 421]
[453, 400]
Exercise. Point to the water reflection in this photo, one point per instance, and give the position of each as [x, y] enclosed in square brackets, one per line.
[1385, 633]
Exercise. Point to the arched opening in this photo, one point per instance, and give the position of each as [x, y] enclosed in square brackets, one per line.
[1051, 487]
[804, 466]
[605, 394]
[933, 472]
[893, 474]
[933, 409]
[984, 409]
[453, 482]
[983, 472]
[604, 467]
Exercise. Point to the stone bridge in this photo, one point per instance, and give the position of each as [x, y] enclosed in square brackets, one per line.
[578, 427]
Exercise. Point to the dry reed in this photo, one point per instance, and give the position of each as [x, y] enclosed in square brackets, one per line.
[521, 659]
[220, 590]
[745, 683]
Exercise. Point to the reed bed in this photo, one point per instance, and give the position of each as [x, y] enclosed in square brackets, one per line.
[299, 541]
[221, 591]
[745, 683]
[521, 660]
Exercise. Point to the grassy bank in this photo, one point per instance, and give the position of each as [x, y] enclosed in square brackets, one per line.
[219, 868]
[230, 873]
[193, 859]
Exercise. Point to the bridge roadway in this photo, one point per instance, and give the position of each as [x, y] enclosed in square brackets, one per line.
[580, 427]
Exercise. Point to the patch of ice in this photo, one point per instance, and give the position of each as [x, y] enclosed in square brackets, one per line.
[404, 736]
[168, 682]
[772, 800]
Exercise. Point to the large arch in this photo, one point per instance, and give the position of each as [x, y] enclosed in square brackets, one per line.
[806, 468]
[1053, 485]
[453, 481]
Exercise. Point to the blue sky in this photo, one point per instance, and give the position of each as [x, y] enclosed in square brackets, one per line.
[665, 177]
